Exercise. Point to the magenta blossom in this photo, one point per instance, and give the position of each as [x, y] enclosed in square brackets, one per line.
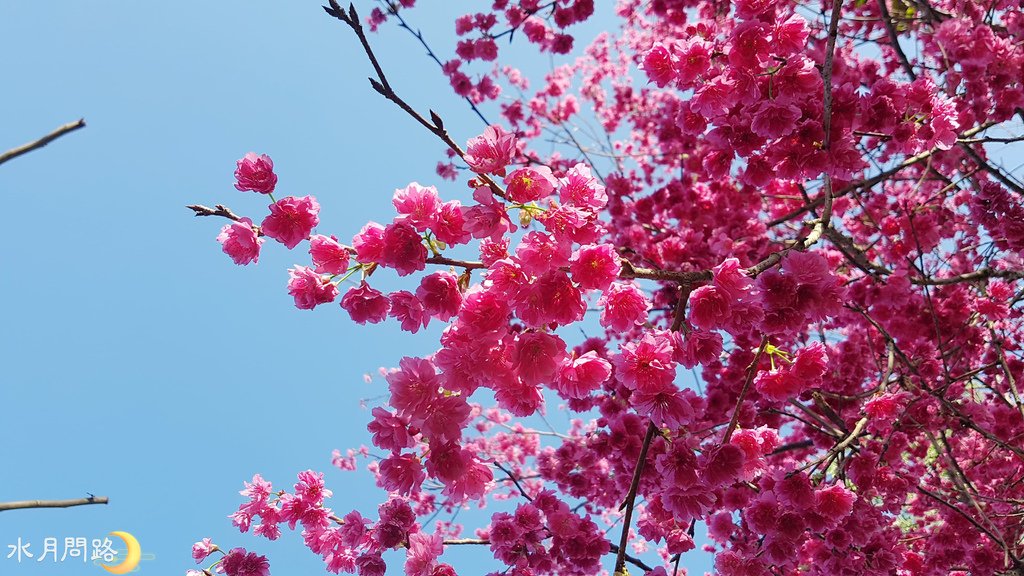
[328, 255]
[240, 241]
[238, 562]
[580, 376]
[624, 306]
[309, 288]
[365, 304]
[440, 295]
[595, 266]
[291, 220]
[529, 184]
[202, 549]
[255, 173]
[417, 205]
[492, 151]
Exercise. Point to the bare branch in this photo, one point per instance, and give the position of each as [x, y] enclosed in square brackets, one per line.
[22, 504]
[26, 148]
[383, 87]
[423, 41]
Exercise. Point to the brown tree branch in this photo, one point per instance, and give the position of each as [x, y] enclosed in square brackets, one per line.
[423, 41]
[26, 148]
[383, 87]
[993, 170]
[219, 210]
[22, 504]
[620, 556]
[894, 41]
[751, 370]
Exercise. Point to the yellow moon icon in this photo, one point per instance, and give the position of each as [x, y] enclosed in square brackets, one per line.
[131, 559]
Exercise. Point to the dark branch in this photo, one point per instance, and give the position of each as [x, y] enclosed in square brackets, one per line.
[620, 556]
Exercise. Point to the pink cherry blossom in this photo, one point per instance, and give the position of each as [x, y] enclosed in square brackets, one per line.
[369, 243]
[660, 65]
[625, 306]
[310, 289]
[329, 257]
[492, 151]
[291, 220]
[402, 249]
[238, 562]
[450, 225]
[709, 307]
[530, 183]
[537, 356]
[440, 294]
[202, 549]
[595, 266]
[579, 376]
[240, 242]
[255, 173]
[580, 188]
[408, 310]
[365, 304]
[417, 206]
[822, 230]
[539, 252]
[646, 363]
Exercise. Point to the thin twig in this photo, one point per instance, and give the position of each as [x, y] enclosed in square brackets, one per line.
[22, 504]
[381, 85]
[514, 480]
[26, 148]
[634, 485]
[751, 370]
[994, 171]
[825, 221]
[419, 36]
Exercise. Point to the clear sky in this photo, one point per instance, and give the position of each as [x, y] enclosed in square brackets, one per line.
[136, 361]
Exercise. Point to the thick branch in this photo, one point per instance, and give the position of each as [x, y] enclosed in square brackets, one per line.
[22, 504]
[830, 52]
[26, 148]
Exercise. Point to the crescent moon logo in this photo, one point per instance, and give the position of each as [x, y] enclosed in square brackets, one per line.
[131, 558]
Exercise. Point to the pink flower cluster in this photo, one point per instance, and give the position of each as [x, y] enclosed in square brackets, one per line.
[544, 536]
[350, 544]
[790, 380]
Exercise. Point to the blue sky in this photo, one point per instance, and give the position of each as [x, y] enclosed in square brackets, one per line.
[137, 361]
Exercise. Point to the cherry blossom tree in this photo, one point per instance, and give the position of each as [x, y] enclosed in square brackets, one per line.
[798, 203]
